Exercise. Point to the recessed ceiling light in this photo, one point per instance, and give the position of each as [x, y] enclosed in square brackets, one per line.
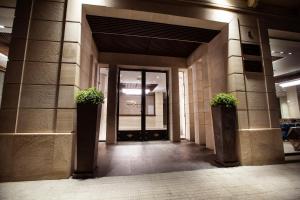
[290, 53]
[1, 26]
[281, 52]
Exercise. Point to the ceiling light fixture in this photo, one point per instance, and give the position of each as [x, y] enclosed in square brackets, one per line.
[290, 53]
[281, 52]
[134, 91]
[290, 83]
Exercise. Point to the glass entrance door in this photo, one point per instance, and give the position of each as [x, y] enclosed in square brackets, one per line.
[143, 107]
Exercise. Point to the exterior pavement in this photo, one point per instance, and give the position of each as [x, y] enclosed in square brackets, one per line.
[255, 182]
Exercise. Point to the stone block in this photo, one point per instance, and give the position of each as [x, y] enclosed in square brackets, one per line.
[6, 153]
[71, 53]
[74, 11]
[275, 118]
[266, 51]
[233, 30]
[66, 120]
[40, 73]
[273, 101]
[66, 97]
[70, 74]
[72, 32]
[242, 102]
[263, 31]
[8, 3]
[257, 100]
[236, 82]
[249, 34]
[255, 82]
[36, 121]
[243, 121]
[208, 118]
[260, 146]
[13, 71]
[45, 30]
[23, 9]
[267, 147]
[209, 137]
[247, 20]
[258, 119]
[235, 65]
[270, 84]
[8, 120]
[43, 51]
[17, 49]
[38, 96]
[20, 28]
[34, 156]
[244, 147]
[10, 96]
[234, 48]
[48, 10]
[63, 154]
[268, 67]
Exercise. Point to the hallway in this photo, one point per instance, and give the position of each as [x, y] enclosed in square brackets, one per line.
[134, 158]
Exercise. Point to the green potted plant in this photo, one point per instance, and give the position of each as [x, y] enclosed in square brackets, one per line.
[224, 124]
[89, 103]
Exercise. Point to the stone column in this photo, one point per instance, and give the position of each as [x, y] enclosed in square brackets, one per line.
[38, 109]
[175, 118]
[259, 140]
[111, 120]
[190, 112]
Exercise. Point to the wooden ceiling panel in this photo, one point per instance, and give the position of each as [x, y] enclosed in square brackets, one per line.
[148, 38]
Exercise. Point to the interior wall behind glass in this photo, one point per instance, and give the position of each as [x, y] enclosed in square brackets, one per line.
[102, 86]
[1, 85]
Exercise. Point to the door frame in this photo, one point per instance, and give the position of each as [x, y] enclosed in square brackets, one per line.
[143, 98]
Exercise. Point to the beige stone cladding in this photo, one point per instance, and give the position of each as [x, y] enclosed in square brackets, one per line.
[38, 112]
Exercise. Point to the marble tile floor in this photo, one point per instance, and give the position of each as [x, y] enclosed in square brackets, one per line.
[134, 158]
[276, 182]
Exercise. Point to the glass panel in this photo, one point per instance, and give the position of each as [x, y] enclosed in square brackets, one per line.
[156, 101]
[182, 105]
[102, 83]
[1, 85]
[130, 99]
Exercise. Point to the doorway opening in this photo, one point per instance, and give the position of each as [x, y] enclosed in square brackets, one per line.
[142, 105]
[285, 52]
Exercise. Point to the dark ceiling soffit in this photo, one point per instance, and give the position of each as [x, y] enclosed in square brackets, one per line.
[147, 38]
[154, 30]
[144, 46]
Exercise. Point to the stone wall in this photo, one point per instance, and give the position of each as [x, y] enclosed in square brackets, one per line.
[38, 108]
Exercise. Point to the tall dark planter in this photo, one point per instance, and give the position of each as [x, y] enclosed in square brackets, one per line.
[224, 123]
[88, 123]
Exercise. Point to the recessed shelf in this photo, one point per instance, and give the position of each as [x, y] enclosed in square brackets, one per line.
[252, 66]
[251, 49]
